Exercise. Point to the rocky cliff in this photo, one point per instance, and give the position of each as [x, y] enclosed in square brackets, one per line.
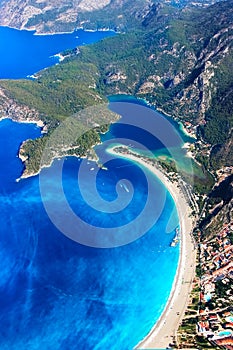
[46, 16]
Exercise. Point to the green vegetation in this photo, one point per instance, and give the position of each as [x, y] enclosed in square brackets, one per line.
[230, 235]
[219, 117]
[124, 63]
[178, 30]
[193, 174]
[203, 343]
[168, 49]
[168, 165]
[221, 288]
[33, 150]
[37, 153]
[204, 184]
[187, 330]
[198, 270]
[58, 92]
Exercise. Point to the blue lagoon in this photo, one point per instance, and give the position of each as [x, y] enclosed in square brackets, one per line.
[58, 294]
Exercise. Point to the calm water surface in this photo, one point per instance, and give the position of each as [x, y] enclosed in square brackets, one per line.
[55, 293]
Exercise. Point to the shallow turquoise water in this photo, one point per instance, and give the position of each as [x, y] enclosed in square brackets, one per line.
[57, 294]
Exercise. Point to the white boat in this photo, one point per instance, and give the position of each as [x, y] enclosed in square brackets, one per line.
[176, 239]
[126, 188]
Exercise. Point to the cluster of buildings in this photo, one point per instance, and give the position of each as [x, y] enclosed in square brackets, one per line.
[215, 320]
[190, 129]
[223, 173]
[218, 328]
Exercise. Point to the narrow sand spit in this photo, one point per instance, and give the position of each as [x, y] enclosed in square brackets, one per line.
[164, 331]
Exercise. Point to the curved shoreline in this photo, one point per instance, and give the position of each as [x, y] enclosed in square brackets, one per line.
[164, 331]
[35, 30]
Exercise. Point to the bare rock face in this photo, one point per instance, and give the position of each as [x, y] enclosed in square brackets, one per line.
[92, 5]
[46, 16]
[42, 15]
[9, 108]
[50, 15]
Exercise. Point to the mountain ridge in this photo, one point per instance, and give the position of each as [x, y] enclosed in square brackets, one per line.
[49, 16]
[178, 59]
[170, 61]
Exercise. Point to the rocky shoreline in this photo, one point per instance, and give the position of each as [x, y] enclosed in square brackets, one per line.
[9, 108]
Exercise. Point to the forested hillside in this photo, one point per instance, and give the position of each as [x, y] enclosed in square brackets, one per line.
[182, 63]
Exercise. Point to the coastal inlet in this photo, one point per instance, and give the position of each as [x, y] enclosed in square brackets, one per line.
[50, 282]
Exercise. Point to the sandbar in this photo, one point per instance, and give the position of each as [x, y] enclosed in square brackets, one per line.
[164, 331]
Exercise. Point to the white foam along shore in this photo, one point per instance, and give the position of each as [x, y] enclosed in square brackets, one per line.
[34, 29]
[59, 56]
[164, 330]
[38, 122]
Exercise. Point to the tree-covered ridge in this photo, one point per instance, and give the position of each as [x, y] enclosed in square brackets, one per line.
[219, 117]
[59, 91]
[72, 136]
[181, 62]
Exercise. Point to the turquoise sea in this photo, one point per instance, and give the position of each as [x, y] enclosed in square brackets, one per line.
[58, 294]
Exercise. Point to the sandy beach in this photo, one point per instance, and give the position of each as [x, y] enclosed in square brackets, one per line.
[164, 331]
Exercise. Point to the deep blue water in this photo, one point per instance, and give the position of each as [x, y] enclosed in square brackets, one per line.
[58, 294]
[22, 53]
[150, 137]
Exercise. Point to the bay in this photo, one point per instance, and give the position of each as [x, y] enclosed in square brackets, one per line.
[58, 294]
[22, 53]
